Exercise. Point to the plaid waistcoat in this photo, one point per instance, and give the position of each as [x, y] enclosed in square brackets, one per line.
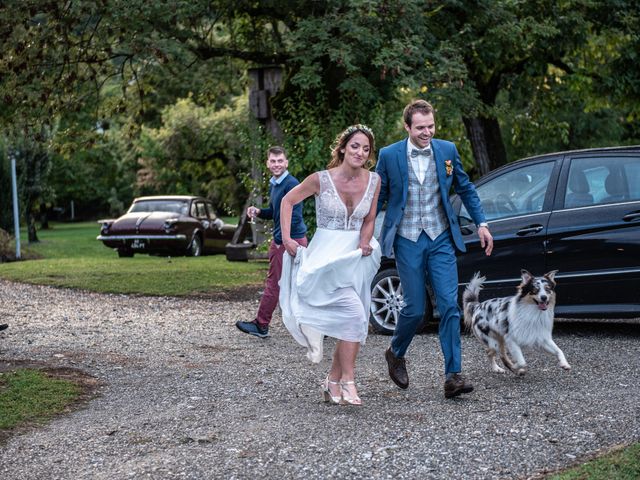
[423, 210]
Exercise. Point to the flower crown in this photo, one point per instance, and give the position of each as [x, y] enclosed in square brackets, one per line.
[358, 127]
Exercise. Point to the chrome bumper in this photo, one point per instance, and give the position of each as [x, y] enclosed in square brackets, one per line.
[142, 237]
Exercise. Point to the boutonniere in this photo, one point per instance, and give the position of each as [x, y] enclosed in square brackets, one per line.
[448, 167]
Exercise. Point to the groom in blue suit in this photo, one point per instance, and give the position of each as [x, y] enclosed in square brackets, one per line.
[422, 230]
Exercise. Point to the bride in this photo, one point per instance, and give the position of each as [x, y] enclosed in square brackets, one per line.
[325, 288]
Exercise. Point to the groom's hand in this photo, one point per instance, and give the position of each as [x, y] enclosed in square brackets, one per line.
[486, 240]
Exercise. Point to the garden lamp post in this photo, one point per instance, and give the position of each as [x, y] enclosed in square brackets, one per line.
[16, 217]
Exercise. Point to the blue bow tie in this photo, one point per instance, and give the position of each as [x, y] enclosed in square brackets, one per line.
[425, 153]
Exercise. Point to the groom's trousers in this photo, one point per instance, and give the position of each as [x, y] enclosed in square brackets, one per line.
[416, 262]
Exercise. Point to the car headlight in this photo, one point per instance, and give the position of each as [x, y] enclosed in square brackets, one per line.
[105, 225]
[169, 224]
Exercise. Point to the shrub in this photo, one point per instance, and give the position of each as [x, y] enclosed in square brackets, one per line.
[7, 250]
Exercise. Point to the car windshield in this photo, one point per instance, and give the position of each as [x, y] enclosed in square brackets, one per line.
[174, 206]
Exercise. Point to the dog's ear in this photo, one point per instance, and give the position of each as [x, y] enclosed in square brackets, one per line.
[526, 276]
[551, 276]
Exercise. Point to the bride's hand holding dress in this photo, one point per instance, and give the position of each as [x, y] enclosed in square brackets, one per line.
[291, 246]
[309, 186]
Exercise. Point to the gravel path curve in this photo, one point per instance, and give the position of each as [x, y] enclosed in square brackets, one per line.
[186, 395]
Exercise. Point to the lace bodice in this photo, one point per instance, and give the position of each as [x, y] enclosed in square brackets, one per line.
[332, 213]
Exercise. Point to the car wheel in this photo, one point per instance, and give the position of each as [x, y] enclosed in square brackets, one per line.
[387, 301]
[195, 248]
[125, 253]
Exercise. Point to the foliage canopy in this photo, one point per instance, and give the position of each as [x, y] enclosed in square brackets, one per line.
[166, 81]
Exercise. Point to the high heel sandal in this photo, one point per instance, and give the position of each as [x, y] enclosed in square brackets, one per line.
[349, 399]
[326, 393]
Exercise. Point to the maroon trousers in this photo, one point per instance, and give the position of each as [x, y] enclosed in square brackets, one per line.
[269, 299]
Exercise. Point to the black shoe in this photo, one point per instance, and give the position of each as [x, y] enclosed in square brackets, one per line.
[252, 328]
[4, 326]
[397, 369]
[457, 385]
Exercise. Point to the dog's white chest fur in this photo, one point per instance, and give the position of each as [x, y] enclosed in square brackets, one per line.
[528, 325]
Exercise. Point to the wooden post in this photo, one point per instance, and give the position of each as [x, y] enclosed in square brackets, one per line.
[265, 83]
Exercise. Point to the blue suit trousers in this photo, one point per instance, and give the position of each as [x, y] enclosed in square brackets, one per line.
[437, 260]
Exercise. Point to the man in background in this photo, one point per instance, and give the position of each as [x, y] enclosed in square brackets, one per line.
[280, 184]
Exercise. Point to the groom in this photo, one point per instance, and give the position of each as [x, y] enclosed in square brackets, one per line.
[420, 226]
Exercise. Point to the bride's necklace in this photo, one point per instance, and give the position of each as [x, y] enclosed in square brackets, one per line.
[350, 178]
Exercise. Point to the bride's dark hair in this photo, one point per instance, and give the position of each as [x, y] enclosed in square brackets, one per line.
[340, 143]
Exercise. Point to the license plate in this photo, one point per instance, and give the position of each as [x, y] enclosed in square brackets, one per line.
[138, 244]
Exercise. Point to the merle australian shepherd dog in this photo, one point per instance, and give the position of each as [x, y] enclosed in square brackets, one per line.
[505, 325]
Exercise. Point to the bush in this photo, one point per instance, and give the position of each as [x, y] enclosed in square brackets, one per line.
[7, 250]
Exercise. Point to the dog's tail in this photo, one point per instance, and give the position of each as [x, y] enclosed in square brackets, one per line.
[471, 297]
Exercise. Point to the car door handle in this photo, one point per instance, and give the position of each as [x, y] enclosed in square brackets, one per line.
[629, 217]
[530, 229]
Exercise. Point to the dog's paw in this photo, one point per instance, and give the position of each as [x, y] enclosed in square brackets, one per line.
[497, 369]
[521, 371]
[565, 366]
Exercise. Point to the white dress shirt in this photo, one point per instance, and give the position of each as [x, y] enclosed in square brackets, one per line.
[420, 162]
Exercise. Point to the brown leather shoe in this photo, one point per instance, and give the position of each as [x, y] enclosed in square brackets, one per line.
[457, 385]
[397, 369]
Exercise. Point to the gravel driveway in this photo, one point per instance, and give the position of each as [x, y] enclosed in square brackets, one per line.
[186, 395]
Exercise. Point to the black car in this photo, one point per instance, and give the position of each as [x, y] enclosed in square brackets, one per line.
[577, 212]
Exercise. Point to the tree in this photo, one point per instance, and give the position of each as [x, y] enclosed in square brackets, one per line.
[198, 150]
[62, 57]
[33, 164]
[90, 168]
[354, 61]
[481, 62]
[490, 55]
[94, 73]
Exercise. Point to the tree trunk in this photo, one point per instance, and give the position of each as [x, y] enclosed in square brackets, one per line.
[31, 225]
[486, 143]
[44, 217]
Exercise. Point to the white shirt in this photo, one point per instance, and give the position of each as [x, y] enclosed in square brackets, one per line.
[420, 162]
[277, 181]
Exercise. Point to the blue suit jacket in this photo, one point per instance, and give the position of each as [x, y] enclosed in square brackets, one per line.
[393, 169]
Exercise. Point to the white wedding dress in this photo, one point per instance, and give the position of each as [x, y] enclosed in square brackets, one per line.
[326, 288]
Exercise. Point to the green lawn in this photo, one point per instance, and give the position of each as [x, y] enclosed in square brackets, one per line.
[31, 396]
[72, 257]
[621, 464]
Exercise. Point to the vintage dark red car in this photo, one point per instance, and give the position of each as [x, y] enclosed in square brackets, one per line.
[167, 225]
